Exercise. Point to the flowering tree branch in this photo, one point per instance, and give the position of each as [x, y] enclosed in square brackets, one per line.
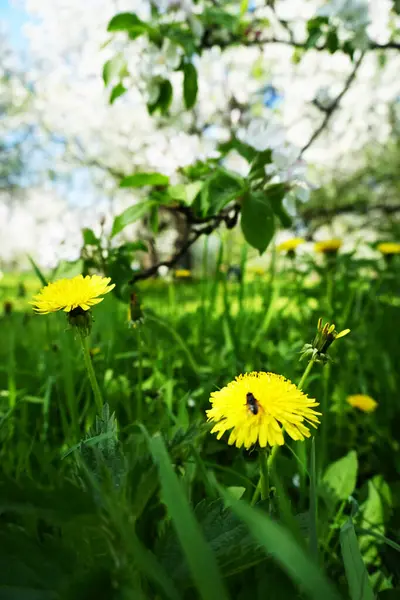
[301, 45]
[333, 106]
[229, 217]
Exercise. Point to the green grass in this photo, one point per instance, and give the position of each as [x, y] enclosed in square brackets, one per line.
[142, 501]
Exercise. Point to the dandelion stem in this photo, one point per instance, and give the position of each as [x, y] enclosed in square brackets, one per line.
[139, 411]
[264, 475]
[306, 372]
[92, 375]
[313, 540]
[266, 464]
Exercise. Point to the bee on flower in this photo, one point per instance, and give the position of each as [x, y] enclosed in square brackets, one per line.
[256, 407]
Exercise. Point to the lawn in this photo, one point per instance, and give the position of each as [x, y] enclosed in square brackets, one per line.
[141, 500]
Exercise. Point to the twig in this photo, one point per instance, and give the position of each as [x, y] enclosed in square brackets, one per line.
[226, 217]
[259, 41]
[333, 106]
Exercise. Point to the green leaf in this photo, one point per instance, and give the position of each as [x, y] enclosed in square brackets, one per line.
[180, 36]
[198, 553]
[38, 272]
[260, 160]
[154, 219]
[214, 16]
[257, 220]
[113, 68]
[356, 572]
[229, 538]
[185, 193]
[164, 99]
[373, 517]
[276, 193]
[89, 237]
[141, 179]
[130, 247]
[332, 41]
[190, 86]
[130, 215]
[341, 476]
[117, 91]
[313, 38]
[278, 543]
[349, 49]
[220, 189]
[125, 22]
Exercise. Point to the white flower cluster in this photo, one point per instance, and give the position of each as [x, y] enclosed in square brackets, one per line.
[352, 14]
[287, 165]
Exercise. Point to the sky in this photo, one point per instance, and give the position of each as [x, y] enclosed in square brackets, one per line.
[14, 17]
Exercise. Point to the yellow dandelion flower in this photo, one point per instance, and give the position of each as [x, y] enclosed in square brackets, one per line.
[256, 270]
[290, 245]
[183, 273]
[362, 402]
[328, 246]
[257, 406]
[389, 248]
[69, 294]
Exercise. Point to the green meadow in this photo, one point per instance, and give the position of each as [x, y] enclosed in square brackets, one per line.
[140, 500]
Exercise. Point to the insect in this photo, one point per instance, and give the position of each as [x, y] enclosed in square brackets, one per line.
[251, 403]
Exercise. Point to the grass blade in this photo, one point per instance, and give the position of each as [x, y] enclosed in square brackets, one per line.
[280, 544]
[356, 572]
[199, 555]
[38, 272]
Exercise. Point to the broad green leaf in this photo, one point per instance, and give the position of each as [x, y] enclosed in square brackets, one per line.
[200, 558]
[180, 35]
[243, 7]
[142, 179]
[356, 572]
[276, 193]
[125, 22]
[150, 566]
[373, 517]
[220, 189]
[185, 193]
[214, 16]
[233, 546]
[332, 41]
[341, 476]
[89, 237]
[113, 68]
[116, 92]
[164, 99]
[257, 220]
[279, 543]
[130, 247]
[130, 215]
[259, 161]
[190, 85]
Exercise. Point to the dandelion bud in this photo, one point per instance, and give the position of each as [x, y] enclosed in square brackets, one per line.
[82, 319]
[325, 336]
